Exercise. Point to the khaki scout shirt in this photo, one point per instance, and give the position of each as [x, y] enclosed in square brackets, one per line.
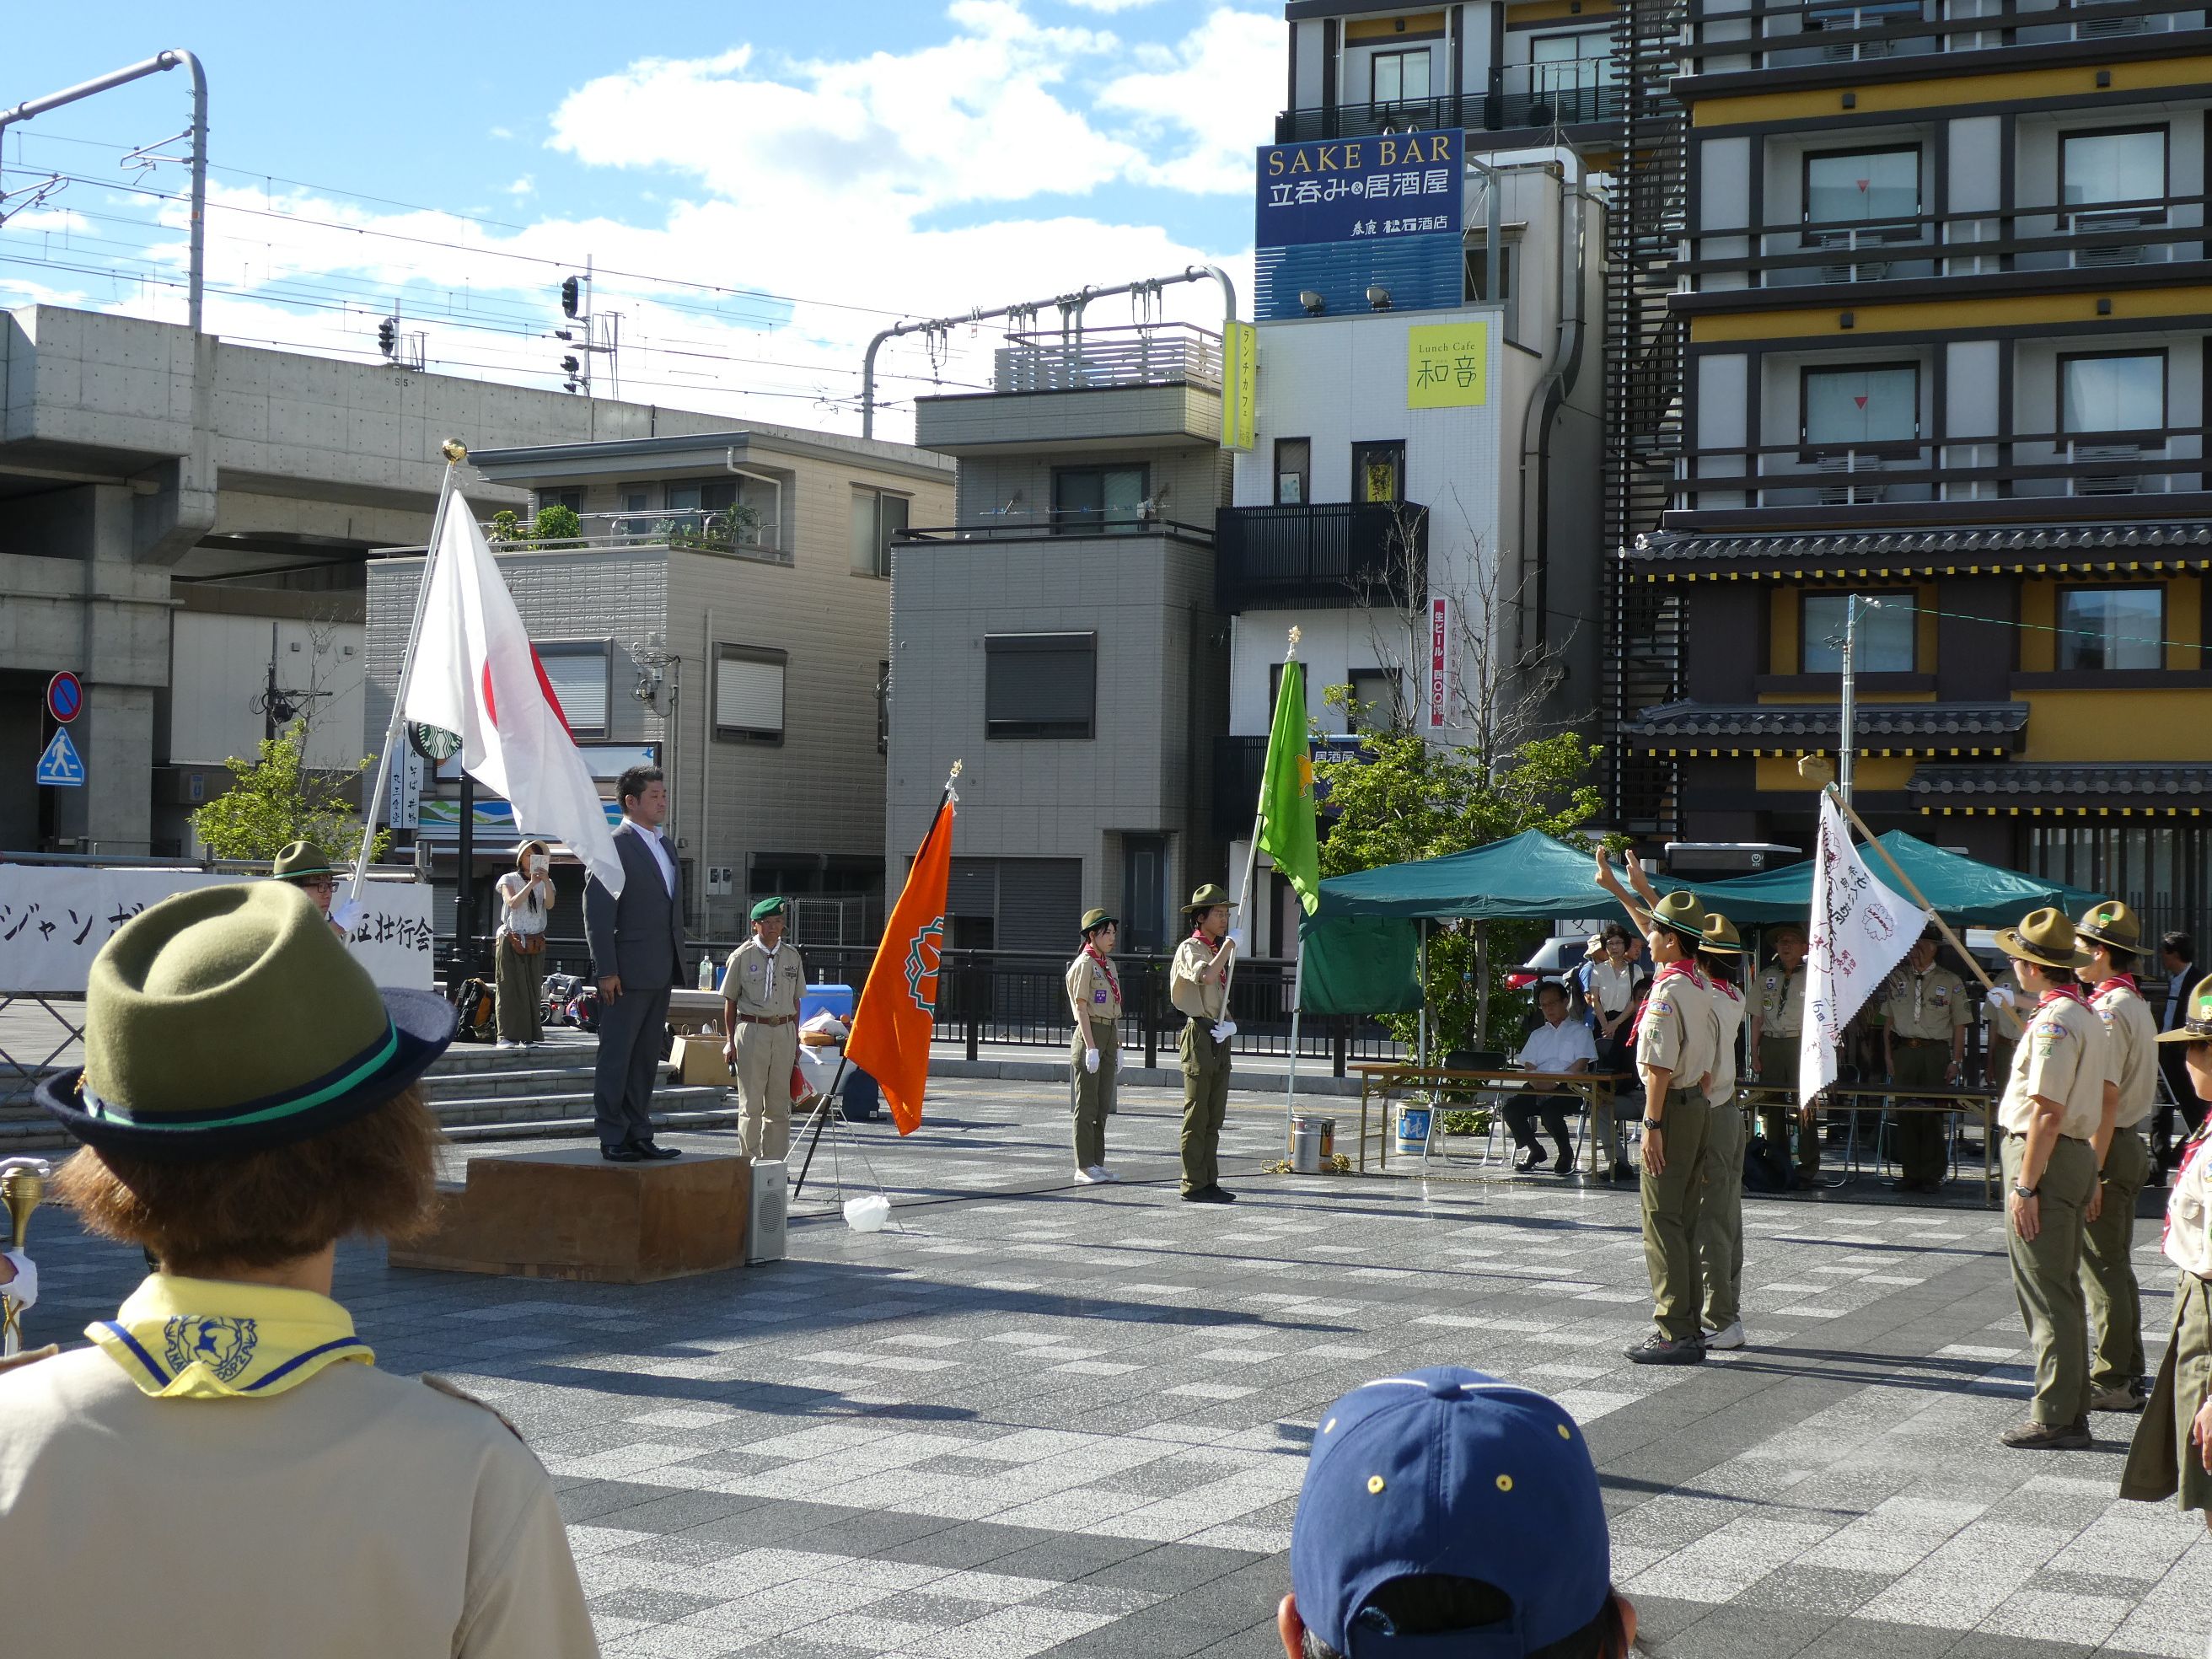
[764, 984]
[358, 1515]
[2061, 1058]
[1091, 988]
[1927, 1006]
[1782, 1001]
[1728, 1009]
[1680, 1032]
[2130, 1052]
[1194, 988]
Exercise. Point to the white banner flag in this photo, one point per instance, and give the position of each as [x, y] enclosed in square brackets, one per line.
[1861, 931]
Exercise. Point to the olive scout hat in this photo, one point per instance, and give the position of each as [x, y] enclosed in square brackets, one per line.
[302, 858]
[2196, 1017]
[2111, 924]
[1094, 919]
[767, 907]
[1721, 937]
[1206, 897]
[229, 1020]
[2045, 937]
[1683, 913]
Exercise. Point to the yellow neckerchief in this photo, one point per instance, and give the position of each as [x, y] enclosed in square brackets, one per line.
[218, 1339]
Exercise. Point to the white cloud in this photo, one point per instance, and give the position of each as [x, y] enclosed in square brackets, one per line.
[1216, 101]
[1111, 5]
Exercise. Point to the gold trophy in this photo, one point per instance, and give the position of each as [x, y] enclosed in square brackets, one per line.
[22, 1184]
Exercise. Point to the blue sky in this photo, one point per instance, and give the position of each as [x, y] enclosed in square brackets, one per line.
[867, 158]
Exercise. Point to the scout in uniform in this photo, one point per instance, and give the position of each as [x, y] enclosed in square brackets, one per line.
[761, 987]
[2171, 1454]
[2053, 1104]
[307, 867]
[1924, 1041]
[1198, 985]
[1720, 1207]
[2111, 934]
[1094, 992]
[1778, 1025]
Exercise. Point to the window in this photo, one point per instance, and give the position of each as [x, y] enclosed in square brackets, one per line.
[1854, 187]
[1374, 699]
[1293, 472]
[2127, 166]
[635, 498]
[1478, 269]
[877, 516]
[571, 499]
[1086, 500]
[1275, 687]
[1885, 640]
[2109, 628]
[1039, 685]
[749, 693]
[1378, 471]
[579, 671]
[2111, 391]
[1400, 75]
[1854, 408]
[1564, 64]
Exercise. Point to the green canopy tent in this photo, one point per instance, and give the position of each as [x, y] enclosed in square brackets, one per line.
[1962, 890]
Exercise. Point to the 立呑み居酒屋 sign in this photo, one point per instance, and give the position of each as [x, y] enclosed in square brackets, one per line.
[1344, 189]
[1448, 365]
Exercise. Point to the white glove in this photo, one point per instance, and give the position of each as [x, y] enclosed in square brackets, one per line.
[23, 1288]
[1091, 1060]
[346, 913]
[1224, 1029]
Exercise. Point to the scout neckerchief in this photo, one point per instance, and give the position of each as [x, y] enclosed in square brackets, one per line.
[1091, 950]
[2068, 993]
[1212, 950]
[206, 1339]
[1680, 966]
[2190, 1150]
[2118, 982]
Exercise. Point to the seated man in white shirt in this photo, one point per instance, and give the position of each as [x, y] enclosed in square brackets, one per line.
[1559, 1044]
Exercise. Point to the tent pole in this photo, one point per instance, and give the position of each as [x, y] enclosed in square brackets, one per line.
[1421, 1041]
[1911, 889]
[1291, 1087]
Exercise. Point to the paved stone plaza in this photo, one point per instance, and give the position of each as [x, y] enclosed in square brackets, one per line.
[1032, 1417]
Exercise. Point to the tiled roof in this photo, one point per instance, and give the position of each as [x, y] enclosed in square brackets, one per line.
[1951, 724]
[1985, 543]
[2088, 783]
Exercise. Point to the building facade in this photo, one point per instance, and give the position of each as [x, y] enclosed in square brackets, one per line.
[1942, 306]
[1056, 633]
[723, 612]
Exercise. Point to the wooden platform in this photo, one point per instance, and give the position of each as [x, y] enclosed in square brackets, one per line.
[571, 1214]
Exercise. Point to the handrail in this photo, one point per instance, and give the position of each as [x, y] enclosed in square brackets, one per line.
[1044, 529]
[1895, 25]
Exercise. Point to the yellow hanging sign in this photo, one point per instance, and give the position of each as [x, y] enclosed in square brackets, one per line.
[1448, 365]
[1240, 384]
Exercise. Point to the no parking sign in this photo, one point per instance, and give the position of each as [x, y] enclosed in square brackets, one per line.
[64, 696]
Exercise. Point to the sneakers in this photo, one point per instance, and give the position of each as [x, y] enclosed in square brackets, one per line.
[1097, 1175]
[1209, 1195]
[1656, 1350]
[1728, 1338]
[2047, 1436]
[2116, 1399]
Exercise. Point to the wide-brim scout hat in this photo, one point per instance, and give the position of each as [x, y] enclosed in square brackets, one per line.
[769, 906]
[1683, 913]
[2111, 924]
[2196, 1017]
[2047, 938]
[303, 857]
[1094, 920]
[1206, 897]
[1721, 937]
[230, 1019]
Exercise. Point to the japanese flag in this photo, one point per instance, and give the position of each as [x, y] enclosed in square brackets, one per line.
[475, 673]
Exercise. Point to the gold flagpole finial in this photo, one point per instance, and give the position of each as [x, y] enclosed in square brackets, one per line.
[1816, 771]
[1294, 638]
[454, 450]
[956, 765]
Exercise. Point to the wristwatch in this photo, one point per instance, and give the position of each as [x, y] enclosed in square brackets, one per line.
[2026, 1192]
[1653, 1123]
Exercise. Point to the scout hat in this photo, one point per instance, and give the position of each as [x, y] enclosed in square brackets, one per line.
[769, 907]
[303, 858]
[228, 1019]
[2110, 923]
[1206, 897]
[1721, 937]
[1447, 1470]
[1094, 920]
[2047, 938]
[1683, 913]
[2196, 1017]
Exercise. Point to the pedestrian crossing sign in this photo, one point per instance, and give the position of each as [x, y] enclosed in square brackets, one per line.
[61, 766]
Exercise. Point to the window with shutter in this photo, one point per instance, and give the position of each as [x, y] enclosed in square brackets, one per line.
[1039, 685]
[749, 694]
[578, 670]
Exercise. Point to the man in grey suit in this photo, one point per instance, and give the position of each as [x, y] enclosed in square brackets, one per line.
[637, 956]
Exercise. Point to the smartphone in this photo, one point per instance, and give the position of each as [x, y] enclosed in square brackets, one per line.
[537, 864]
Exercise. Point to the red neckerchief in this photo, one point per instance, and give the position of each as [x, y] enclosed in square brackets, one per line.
[1211, 949]
[2072, 993]
[2190, 1150]
[2118, 982]
[1091, 951]
[1680, 965]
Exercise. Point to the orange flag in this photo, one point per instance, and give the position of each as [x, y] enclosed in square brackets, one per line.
[897, 1014]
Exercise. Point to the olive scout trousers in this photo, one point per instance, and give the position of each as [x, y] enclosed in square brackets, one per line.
[2108, 1275]
[1205, 1100]
[1921, 1134]
[2046, 1277]
[1671, 1209]
[1778, 1069]
[1092, 1094]
[1720, 1215]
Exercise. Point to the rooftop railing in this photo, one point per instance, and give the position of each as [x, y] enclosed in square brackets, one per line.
[737, 532]
[1140, 354]
[1807, 34]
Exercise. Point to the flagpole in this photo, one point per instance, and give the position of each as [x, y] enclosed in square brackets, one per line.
[1259, 817]
[1291, 1087]
[455, 453]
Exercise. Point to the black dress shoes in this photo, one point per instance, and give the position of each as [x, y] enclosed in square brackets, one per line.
[621, 1155]
[646, 1150]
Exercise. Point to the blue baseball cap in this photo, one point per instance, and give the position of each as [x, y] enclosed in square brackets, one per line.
[1447, 1470]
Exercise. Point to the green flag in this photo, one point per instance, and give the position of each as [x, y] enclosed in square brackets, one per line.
[1286, 793]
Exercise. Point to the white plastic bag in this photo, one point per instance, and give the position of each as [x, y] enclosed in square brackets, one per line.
[867, 1215]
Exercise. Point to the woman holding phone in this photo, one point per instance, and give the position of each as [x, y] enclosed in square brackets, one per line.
[525, 895]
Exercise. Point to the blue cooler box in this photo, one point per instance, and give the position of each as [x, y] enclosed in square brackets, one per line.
[835, 999]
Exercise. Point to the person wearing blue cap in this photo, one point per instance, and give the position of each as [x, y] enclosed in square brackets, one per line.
[1447, 1512]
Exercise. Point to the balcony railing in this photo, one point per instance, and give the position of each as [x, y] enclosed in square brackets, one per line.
[2106, 236]
[1946, 479]
[1144, 354]
[1334, 554]
[723, 530]
[1518, 96]
[1013, 528]
[1809, 33]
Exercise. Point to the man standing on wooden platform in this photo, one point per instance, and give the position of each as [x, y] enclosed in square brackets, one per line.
[637, 956]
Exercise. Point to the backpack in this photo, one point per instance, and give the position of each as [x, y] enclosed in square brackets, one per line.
[1759, 1168]
[478, 1012]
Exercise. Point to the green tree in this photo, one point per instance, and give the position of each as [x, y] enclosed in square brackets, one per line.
[279, 798]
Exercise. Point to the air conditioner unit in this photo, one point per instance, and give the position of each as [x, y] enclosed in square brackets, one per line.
[2106, 220]
[2107, 470]
[1844, 478]
[2103, 29]
[1863, 270]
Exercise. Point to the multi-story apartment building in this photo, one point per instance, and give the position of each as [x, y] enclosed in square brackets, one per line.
[1055, 631]
[725, 611]
[1943, 284]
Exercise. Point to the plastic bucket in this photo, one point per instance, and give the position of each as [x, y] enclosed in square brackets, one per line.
[1313, 1143]
[1412, 1128]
